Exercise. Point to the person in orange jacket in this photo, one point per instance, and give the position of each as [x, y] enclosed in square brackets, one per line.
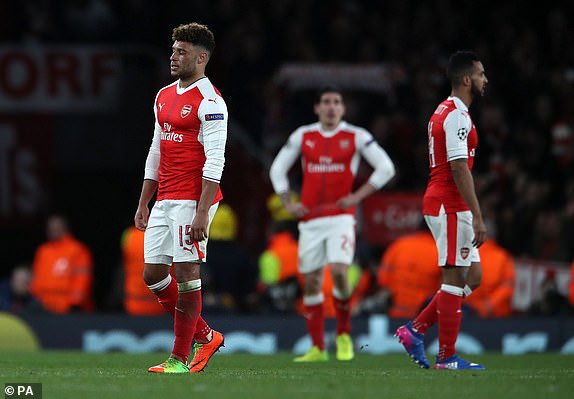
[138, 299]
[494, 296]
[408, 274]
[278, 272]
[62, 270]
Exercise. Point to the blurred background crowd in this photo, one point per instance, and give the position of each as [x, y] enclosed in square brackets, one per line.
[77, 82]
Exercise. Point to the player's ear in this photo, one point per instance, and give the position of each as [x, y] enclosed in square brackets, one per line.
[203, 57]
[466, 80]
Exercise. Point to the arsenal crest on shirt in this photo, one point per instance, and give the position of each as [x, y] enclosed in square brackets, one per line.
[344, 144]
[185, 110]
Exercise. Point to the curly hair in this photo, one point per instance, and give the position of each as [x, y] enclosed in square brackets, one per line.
[196, 34]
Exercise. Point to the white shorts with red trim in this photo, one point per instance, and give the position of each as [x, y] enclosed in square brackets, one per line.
[167, 237]
[453, 235]
[324, 240]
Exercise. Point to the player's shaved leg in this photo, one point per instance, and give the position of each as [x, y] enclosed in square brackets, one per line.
[342, 301]
[454, 275]
[160, 282]
[313, 302]
[313, 282]
[474, 275]
[341, 297]
[340, 275]
[153, 273]
[449, 309]
[187, 309]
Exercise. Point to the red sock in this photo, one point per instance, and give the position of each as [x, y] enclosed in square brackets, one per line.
[186, 316]
[202, 330]
[428, 316]
[343, 315]
[449, 317]
[168, 297]
[316, 324]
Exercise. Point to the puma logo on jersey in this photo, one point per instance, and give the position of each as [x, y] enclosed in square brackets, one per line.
[310, 144]
[212, 99]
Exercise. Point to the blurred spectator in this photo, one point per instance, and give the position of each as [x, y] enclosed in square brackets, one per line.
[409, 273]
[138, 298]
[549, 302]
[16, 295]
[547, 238]
[493, 298]
[62, 270]
[278, 273]
[230, 274]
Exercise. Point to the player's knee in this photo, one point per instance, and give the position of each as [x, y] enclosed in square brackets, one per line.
[313, 285]
[154, 276]
[474, 276]
[340, 282]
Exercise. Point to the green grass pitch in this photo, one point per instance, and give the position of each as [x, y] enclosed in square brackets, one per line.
[118, 375]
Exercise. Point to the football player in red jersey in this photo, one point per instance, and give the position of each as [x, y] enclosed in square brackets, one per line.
[184, 164]
[452, 213]
[330, 150]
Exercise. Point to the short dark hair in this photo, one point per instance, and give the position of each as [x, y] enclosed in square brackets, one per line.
[327, 89]
[460, 64]
[196, 34]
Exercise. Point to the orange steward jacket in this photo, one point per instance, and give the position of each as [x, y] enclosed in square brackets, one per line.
[62, 275]
[138, 299]
[409, 270]
[494, 296]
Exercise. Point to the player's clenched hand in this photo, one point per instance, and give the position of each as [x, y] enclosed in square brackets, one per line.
[141, 217]
[199, 226]
[479, 232]
[296, 209]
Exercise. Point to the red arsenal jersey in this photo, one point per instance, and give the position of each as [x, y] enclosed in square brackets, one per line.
[327, 171]
[452, 135]
[330, 161]
[190, 131]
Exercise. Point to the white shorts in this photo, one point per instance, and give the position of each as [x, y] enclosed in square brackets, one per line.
[325, 240]
[167, 238]
[453, 235]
